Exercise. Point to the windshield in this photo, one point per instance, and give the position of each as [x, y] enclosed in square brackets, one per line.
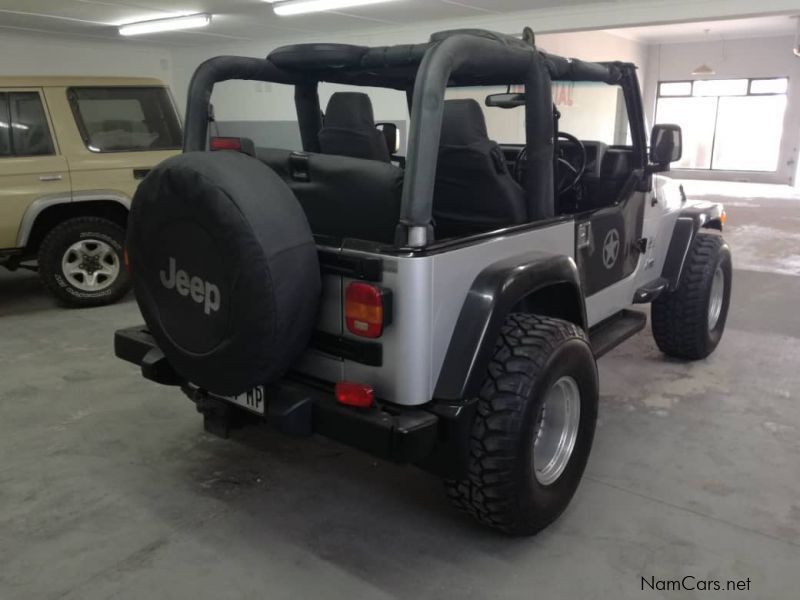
[590, 111]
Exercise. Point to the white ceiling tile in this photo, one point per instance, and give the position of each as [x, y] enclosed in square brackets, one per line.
[255, 20]
[411, 11]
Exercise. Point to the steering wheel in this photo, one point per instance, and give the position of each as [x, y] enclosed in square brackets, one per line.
[572, 173]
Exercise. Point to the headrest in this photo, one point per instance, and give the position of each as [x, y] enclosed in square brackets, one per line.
[464, 123]
[350, 110]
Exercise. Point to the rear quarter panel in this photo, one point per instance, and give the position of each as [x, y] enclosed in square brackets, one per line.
[428, 294]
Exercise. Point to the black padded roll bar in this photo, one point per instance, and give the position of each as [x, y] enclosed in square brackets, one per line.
[216, 70]
[454, 58]
[441, 61]
[309, 115]
[540, 138]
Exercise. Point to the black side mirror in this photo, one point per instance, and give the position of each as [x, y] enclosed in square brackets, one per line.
[666, 145]
[391, 134]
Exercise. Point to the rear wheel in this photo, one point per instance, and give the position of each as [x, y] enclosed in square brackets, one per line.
[689, 322]
[81, 262]
[534, 427]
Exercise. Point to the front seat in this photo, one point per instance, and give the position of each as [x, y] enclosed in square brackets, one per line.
[474, 189]
[349, 129]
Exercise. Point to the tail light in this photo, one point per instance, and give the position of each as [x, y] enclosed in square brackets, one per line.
[238, 144]
[354, 394]
[225, 143]
[367, 310]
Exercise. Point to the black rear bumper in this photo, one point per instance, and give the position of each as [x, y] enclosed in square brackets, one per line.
[425, 436]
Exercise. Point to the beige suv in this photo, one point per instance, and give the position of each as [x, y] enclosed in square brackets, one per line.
[72, 152]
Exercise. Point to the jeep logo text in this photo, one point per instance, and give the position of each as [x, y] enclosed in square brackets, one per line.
[201, 292]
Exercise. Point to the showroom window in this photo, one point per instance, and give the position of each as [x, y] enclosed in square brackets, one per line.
[728, 124]
[24, 130]
[126, 119]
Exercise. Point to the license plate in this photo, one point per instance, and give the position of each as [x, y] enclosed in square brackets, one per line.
[255, 400]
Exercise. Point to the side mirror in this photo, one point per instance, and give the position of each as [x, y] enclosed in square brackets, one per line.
[391, 134]
[666, 145]
[505, 100]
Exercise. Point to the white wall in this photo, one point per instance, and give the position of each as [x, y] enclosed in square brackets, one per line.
[35, 54]
[757, 57]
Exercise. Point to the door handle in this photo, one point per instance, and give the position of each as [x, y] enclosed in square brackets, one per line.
[51, 177]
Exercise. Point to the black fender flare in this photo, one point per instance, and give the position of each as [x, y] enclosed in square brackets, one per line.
[690, 221]
[496, 291]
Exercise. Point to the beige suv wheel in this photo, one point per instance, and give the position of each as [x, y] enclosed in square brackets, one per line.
[81, 261]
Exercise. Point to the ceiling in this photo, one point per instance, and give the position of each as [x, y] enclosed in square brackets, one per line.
[696, 32]
[245, 20]
[239, 20]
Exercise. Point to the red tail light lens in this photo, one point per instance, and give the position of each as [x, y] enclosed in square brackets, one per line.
[225, 143]
[354, 394]
[365, 310]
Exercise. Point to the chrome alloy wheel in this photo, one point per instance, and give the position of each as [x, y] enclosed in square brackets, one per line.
[716, 299]
[557, 431]
[90, 265]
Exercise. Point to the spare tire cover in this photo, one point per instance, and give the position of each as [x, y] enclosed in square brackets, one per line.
[225, 269]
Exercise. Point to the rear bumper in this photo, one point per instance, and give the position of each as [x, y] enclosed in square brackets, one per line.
[302, 407]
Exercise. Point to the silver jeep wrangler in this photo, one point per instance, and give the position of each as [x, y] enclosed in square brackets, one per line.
[445, 308]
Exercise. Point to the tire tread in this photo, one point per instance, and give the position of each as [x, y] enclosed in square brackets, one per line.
[680, 318]
[489, 491]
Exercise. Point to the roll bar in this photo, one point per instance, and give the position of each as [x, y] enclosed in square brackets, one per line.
[461, 58]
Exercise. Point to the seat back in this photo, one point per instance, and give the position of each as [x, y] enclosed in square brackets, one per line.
[474, 189]
[349, 129]
[342, 197]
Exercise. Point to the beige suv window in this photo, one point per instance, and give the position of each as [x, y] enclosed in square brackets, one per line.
[126, 119]
[23, 125]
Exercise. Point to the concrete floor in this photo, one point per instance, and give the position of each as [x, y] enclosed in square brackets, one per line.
[110, 489]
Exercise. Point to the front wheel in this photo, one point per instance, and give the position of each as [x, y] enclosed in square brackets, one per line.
[81, 262]
[688, 323]
[534, 427]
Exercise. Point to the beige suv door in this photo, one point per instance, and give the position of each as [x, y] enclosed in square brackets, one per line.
[31, 169]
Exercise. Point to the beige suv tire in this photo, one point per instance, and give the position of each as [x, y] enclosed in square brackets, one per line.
[81, 261]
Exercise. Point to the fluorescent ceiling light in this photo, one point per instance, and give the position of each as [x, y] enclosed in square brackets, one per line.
[171, 24]
[287, 8]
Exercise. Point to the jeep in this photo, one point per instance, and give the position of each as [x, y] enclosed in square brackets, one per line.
[72, 152]
[449, 313]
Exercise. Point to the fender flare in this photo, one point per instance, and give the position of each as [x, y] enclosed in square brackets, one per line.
[688, 225]
[493, 295]
[38, 206]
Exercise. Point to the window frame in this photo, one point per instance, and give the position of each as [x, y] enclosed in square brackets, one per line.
[7, 93]
[84, 132]
[5, 113]
[717, 98]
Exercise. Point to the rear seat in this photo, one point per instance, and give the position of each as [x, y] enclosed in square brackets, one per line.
[342, 197]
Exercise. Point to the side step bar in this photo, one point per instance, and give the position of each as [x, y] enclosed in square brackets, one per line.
[612, 332]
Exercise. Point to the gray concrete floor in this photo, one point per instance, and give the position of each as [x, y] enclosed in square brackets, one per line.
[110, 489]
